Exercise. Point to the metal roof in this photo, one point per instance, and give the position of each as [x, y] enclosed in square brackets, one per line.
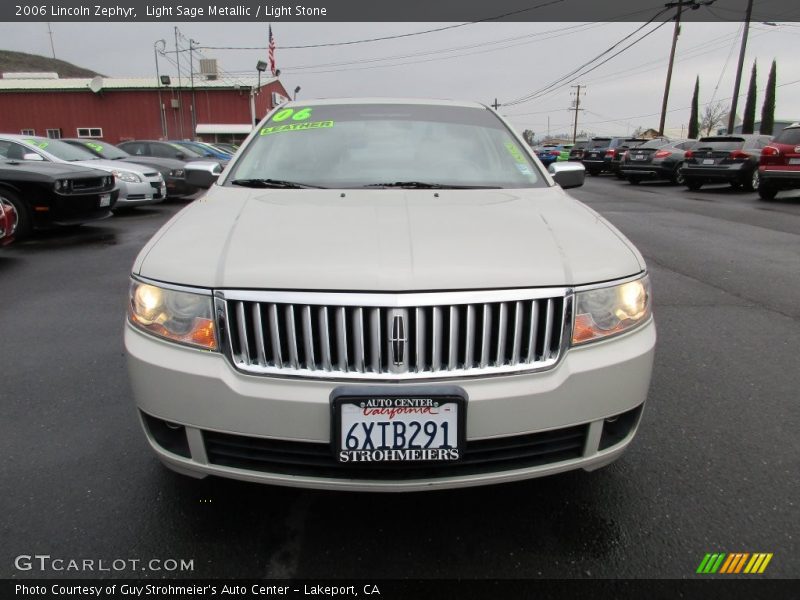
[127, 83]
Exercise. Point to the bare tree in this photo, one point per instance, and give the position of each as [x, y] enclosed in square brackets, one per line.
[713, 115]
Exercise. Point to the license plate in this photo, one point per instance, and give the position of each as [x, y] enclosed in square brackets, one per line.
[594, 155]
[794, 161]
[708, 161]
[398, 429]
[638, 157]
[105, 200]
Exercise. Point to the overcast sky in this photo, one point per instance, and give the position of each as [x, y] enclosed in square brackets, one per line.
[480, 61]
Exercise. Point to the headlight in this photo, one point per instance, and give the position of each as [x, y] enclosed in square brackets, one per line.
[178, 316]
[176, 173]
[610, 310]
[63, 185]
[128, 176]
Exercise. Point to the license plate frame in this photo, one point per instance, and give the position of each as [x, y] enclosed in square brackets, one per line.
[386, 398]
[105, 200]
[794, 161]
[708, 161]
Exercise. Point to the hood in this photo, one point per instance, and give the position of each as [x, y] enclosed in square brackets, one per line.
[153, 161]
[112, 165]
[386, 240]
[45, 170]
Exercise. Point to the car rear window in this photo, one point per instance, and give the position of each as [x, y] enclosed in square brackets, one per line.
[599, 143]
[789, 136]
[653, 144]
[722, 144]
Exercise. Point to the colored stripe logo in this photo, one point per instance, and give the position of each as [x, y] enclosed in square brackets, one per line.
[734, 563]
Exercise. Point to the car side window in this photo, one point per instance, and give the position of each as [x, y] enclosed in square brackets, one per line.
[135, 148]
[13, 151]
[162, 151]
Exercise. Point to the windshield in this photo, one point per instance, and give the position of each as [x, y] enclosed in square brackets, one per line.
[107, 150]
[721, 144]
[361, 145]
[61, 150]
[789, 136]
[189, 151]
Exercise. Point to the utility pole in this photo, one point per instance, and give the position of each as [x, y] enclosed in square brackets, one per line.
[178, 63]
[732, 115]
[191, 71]
[495, 105]
[162, 115]
[50, 32]
[548, 127]
[577, 108]
[675, 34]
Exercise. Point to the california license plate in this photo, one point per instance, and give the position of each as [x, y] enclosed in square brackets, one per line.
[105, 200]
[708, 161]
[398, 429]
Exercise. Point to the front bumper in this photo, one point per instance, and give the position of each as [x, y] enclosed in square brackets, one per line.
[151, 191]
[200, 391]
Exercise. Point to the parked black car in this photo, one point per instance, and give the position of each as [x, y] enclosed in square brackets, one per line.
[44, 194]
[656, 159]
[603, 153]
[578, 149]
[173, 170]
[731, 159]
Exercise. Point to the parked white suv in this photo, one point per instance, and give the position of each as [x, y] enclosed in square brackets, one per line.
[138, 184]
[388, 295]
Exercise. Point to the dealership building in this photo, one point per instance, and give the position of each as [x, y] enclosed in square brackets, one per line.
[116, 109]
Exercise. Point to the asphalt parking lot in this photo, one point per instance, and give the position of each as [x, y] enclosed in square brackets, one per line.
[714, 467]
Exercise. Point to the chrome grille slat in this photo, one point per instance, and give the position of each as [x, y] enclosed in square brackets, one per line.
[259, 334]
[308, 339]
[275, 335]
[291, 335]
[325, 338]
[480, 334]
[241, 322]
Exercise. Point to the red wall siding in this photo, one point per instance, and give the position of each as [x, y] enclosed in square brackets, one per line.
[127, 114]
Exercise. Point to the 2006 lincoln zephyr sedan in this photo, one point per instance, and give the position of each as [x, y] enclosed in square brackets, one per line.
[389, 295]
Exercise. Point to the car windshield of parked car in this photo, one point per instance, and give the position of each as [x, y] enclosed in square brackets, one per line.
[108, 151]
[364, 145]
[62, 150]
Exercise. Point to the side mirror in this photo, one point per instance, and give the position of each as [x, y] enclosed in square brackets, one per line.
[202, 174]
[32, 156]
[568, 174]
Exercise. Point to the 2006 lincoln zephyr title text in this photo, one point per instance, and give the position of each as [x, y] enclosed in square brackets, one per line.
[389, 295]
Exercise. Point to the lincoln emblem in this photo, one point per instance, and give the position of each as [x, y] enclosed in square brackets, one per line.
[399, 339]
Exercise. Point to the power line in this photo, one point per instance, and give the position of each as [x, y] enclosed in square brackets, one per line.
[555, 84]
[394, 37]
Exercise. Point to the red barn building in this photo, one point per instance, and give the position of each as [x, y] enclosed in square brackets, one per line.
[125, 109]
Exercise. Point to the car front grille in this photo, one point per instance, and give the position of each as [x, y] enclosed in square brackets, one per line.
[88, 185]
[317, 459]
[394, 336]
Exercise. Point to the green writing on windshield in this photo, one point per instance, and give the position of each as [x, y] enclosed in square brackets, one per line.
[296, 127]
[515, 153]
[38, 144]
[300, 115]
[95, 147]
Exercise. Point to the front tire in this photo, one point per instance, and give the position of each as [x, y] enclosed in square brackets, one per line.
[634, 180]
[24, 221]
[594, 172]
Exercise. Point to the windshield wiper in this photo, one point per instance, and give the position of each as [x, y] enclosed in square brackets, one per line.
[274, 183]
[422, 185]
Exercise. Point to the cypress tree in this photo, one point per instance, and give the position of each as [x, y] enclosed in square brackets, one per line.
[768, 110]
[694, 125]
[749, 120]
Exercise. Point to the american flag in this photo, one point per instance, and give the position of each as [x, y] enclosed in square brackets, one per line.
[272, 52]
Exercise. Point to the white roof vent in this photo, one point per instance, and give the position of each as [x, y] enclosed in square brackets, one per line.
[30, 75]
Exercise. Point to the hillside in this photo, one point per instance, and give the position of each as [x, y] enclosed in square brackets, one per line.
[20, 62]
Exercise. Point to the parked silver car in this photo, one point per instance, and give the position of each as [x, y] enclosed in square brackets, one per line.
[138, 184]
[390, 295]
